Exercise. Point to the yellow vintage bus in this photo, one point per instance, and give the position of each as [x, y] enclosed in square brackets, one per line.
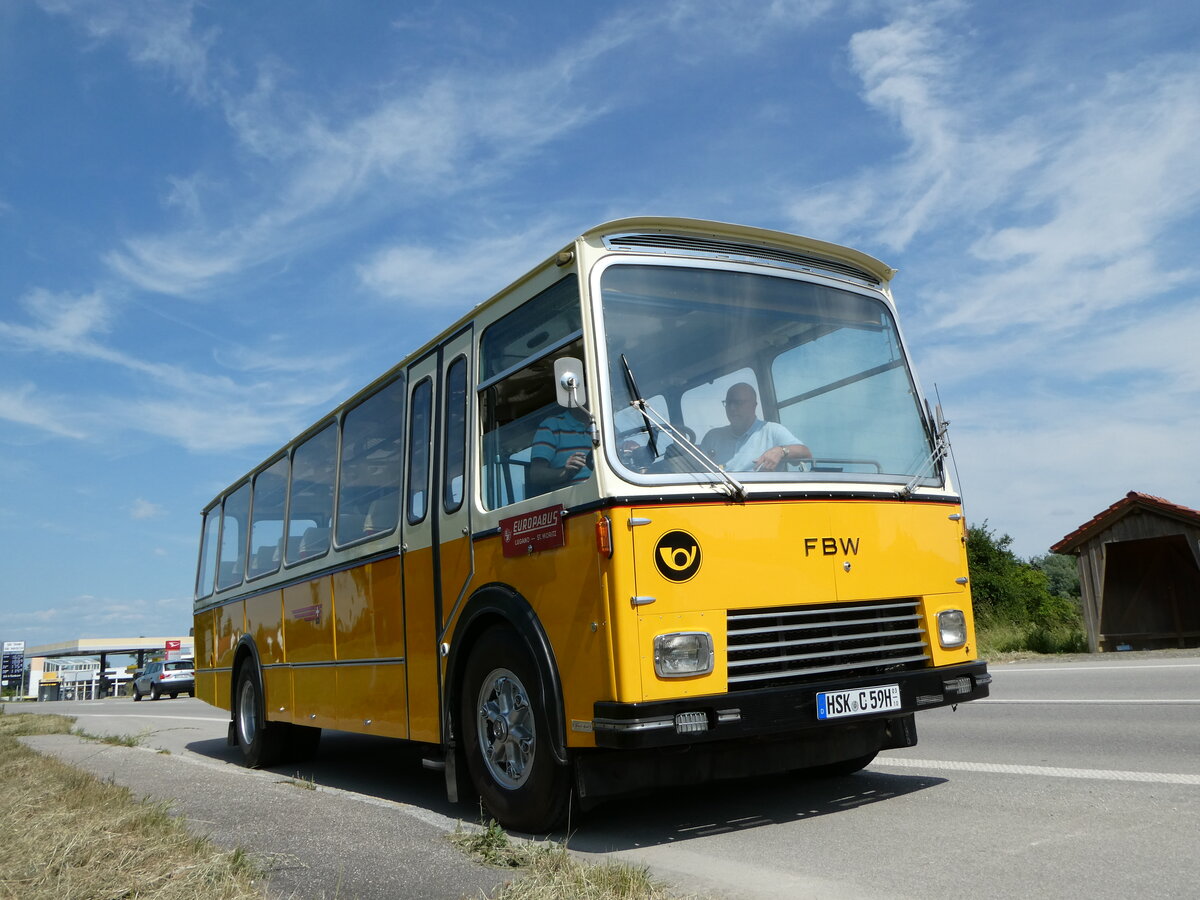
[669, 508]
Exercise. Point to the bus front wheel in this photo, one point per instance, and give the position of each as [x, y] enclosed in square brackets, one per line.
[260, 741]
[506, 736]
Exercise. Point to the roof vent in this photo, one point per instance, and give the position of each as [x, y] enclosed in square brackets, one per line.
[690, 245]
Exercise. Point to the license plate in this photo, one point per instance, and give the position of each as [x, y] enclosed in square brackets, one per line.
[858, 701]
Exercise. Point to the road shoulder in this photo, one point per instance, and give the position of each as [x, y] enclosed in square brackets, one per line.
[311, 841]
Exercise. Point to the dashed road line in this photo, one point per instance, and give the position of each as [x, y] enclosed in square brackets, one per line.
[934, 765]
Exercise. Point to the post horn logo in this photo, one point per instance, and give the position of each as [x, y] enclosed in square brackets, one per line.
[677, 555]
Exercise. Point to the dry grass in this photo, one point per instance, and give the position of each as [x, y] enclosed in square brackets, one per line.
[69, 836]
[550, 872]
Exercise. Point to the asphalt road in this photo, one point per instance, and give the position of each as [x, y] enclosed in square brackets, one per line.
[1076, 779]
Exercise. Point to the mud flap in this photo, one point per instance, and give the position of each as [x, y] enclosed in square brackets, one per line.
[900, 732]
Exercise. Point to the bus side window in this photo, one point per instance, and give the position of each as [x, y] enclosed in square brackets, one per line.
[310, 509]
[368, 500]
[419, 440]
[208, 552]
[512, 409]
[455, 443]
[516, 364]
[266, 518]
[233, 538]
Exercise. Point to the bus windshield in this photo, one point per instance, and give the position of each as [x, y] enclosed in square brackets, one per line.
[824, 369]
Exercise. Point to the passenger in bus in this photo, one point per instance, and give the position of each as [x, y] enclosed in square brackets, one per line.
[747, 443]
[562, 451]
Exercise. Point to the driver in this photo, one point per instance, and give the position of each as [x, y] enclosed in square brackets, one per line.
[747, 443]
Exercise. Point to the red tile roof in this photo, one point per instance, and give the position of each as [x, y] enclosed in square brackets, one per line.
[1127, 504]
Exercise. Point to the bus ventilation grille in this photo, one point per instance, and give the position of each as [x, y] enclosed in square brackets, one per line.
[698, 246]
[798, 644]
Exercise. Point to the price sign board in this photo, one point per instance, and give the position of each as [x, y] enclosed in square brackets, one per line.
[13, 666]
[173, 650]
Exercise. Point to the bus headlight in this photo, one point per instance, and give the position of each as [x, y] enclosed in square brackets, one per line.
[683, 653]
[952, 628]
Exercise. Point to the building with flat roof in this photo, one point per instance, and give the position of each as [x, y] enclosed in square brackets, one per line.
[84, 664]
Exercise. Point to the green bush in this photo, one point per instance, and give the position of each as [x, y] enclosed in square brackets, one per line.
[1021, 605]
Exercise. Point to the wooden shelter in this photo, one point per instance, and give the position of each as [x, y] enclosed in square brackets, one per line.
[1139, 574]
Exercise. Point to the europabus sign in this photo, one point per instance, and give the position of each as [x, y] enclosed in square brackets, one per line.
[541, 529]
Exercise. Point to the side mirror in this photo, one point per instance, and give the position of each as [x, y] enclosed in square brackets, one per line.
[568, 383]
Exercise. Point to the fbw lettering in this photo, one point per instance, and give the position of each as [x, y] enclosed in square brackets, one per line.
[828, 546]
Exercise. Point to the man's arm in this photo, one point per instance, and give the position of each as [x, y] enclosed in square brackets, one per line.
[785, 447]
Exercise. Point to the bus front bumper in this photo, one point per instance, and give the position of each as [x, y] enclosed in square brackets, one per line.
[780, 710]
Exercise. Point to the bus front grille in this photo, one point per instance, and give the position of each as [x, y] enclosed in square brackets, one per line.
[798, 644]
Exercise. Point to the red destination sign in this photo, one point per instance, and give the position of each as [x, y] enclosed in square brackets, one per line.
[541, 529]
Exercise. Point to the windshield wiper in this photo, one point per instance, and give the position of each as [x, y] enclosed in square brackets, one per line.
[640, 403]
[939, 432]
[736, 489]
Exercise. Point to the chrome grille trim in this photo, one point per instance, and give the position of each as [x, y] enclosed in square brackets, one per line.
[691, 245]
[811, 642]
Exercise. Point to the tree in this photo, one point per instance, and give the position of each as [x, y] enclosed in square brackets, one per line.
[1002, 587]
[1038, 599]
[1062, 573]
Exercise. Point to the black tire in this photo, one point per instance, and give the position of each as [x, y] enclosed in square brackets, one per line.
[506, 736]
[154, 694]
[136, 694]
[173, 696]
[261, 742]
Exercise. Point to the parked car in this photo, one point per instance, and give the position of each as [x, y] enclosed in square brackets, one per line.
[174, 678]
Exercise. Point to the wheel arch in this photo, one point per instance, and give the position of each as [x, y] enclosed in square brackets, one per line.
[245, 652]
[499, 604]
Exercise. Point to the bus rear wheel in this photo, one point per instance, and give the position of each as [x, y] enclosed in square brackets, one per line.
[506, 736]
[260, 741]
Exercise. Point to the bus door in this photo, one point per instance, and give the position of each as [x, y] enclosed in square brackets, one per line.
[436, 545]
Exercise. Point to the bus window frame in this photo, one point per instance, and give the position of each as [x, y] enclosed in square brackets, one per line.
[327, 422]
[396, 380]
[287, 483]
[425, 382]
[205, 518]
[450, 506]
[245, 536]
[601, 406]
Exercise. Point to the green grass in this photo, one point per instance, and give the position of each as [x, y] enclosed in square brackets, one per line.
[548, 871]
[998, 637]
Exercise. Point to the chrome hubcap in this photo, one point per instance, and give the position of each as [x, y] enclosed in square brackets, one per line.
[247, 713]
[505, 724]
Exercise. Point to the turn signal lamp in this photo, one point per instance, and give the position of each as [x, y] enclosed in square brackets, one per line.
[683, 654]
[604, 544]
[952, 628]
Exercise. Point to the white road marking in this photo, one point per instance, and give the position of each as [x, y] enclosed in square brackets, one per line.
[997, 668]
[1081, 702]
[933, 765]
[144, 716]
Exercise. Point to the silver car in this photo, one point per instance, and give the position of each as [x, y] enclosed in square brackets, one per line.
[172, 677]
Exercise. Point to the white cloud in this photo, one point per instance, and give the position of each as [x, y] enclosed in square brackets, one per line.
[198, 410]
[144, 509]
[159, 35]
[450, 134]
[429, 276]
[89, 617]
[23, 406]
[1053, 297]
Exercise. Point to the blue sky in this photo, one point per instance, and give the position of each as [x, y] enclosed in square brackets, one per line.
[217, 220]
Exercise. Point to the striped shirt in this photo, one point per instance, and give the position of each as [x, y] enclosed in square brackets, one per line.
[557, 438]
